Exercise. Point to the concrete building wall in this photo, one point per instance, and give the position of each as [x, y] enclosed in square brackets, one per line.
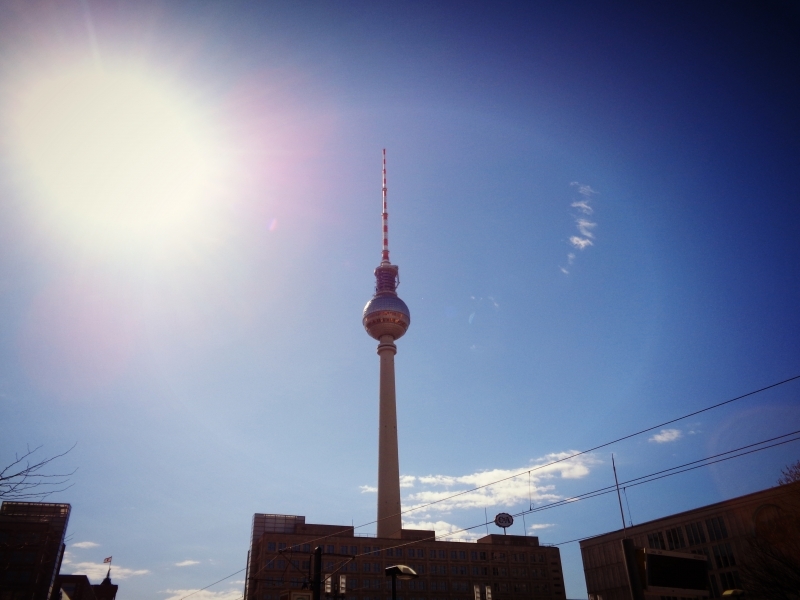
[722, 532]
[513, 567]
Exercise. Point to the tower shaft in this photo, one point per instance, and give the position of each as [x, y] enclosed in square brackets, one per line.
[389, 521]
[386, 318]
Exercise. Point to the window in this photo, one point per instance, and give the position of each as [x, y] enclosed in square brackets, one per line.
[454, 570]
[343, 549]
[675, 538]
[730, 580]
[353, 549]
[442, 554]
[281, 545]
[280, 563]
[716, 529]
[714, 588]
[420, 553]
[271, 546]
[723, 556]
[498, 555]
[366, 567]
[462, 555]
[306, 547]
[453, 555]
[656, 541]
[695, 533]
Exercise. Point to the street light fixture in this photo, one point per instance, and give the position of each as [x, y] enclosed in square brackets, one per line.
[399, 572]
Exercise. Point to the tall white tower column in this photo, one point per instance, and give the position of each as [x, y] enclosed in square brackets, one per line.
[389, 522]
[386, 318]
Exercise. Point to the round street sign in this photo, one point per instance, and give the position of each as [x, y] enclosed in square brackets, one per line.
[504, 520]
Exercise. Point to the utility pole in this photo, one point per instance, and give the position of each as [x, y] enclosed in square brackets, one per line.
[316, 582]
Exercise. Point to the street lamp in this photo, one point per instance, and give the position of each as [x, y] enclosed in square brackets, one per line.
[399, 572]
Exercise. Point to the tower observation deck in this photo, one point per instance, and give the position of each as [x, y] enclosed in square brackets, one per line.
[386, 318]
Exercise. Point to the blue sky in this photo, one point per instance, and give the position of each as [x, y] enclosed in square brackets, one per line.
[594, 209]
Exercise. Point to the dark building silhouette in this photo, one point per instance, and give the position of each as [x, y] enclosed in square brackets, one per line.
[496, 567]
[31, 548]
[78, 587]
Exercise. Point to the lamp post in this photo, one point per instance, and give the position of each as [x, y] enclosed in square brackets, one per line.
[399, 572]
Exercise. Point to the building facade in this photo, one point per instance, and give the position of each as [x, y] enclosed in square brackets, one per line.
[723, 532]
[31, 548]
[495, 567]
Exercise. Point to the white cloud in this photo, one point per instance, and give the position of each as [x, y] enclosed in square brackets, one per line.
[97, 571]
[367, 489]
[407, 481]
[537, 526]
[666, 435]
[84, 545]
[231, 594]
[443, 528]
[187, 563]
[583, 206]
[583, 190]
[579, 242]
[585, 226]
[509, 492]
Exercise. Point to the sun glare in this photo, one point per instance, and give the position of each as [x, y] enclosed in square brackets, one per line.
[116, 156]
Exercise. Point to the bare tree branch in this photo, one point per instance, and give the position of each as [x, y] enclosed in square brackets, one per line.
[27, 478]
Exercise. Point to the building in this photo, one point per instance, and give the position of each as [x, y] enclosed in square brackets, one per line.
[501, 567]
[31, 548]
[496, 567]
[78, 587]
[723, 532]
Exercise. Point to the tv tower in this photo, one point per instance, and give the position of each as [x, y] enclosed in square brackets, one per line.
[386, 318]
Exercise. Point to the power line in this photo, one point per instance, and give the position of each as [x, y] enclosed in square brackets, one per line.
[537, 468]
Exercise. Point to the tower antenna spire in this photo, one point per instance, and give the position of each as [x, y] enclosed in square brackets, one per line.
[385, 218]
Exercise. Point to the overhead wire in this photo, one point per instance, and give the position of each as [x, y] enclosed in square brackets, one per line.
[529, 471]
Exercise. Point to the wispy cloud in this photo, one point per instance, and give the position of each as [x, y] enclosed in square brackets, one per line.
[187, 563]
[97, 571]
[444, 529]
[584, 225]
[367, 489]
[666, 435]
[85, 545]
[231, 594]
[512, 491]
[537, 526]
[579, 242]
[407, 481]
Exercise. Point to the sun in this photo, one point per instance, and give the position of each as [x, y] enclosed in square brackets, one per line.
[116, 155]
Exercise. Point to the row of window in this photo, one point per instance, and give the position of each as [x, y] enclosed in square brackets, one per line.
[695, 534]
[728, 580]
[432, 554]
[434, 569]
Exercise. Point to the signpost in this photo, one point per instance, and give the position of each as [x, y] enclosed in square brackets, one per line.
[504, 520]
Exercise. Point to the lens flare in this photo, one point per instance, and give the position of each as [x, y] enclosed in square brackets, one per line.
[116, 156]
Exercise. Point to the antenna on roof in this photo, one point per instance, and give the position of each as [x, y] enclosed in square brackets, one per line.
[385, 218]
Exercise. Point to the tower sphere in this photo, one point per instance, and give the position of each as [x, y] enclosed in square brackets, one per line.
[386, 314]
